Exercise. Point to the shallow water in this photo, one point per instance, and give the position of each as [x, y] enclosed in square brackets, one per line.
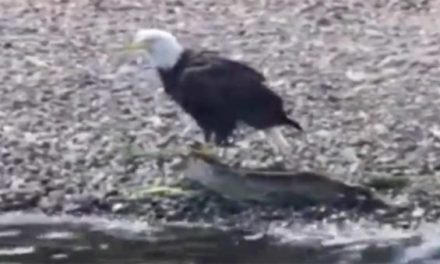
[41, 239]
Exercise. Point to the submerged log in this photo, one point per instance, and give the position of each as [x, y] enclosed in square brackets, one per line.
[297, 189]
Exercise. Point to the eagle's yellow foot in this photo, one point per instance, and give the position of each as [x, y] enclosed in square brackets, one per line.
[204, 150]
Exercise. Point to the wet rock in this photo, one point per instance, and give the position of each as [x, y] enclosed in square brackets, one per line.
[46, 204]
[18, 200]
[119, 207]
[84, 204]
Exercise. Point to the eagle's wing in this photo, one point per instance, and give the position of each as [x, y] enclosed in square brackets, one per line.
[222, 81]
[199, 88]
[204, 96]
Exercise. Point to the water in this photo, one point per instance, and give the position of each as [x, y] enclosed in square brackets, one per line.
[42, 239]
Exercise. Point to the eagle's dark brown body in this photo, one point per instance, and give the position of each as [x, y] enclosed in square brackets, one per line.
[218, 93]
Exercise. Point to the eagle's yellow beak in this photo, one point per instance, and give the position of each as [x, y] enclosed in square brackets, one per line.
[133, 47]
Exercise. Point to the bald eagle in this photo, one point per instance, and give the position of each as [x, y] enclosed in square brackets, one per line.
[217, 92]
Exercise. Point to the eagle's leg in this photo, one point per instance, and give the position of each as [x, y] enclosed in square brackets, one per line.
[209, 138]
[214, 140]
[222, 151]
[208, 135]
[224, 145]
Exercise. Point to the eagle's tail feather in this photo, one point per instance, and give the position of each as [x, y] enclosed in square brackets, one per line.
[293, 123]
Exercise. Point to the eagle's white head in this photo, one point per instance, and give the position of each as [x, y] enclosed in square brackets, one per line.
[162, 47]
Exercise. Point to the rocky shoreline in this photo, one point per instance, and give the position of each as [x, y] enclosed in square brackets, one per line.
[362, 77]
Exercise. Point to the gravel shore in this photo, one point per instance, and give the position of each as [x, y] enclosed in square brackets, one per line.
[362, 77]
